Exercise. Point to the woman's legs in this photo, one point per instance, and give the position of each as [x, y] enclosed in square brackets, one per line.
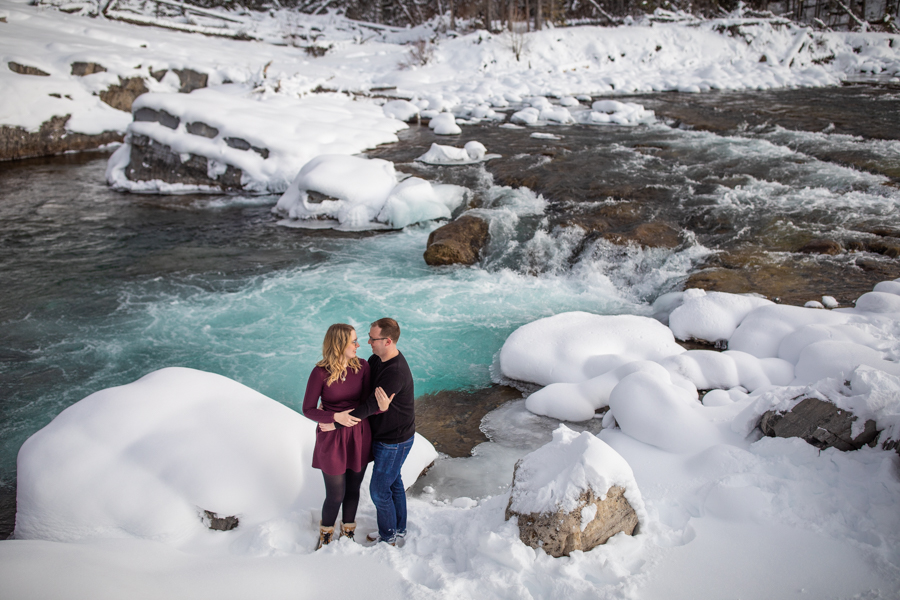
[341, 489]
[351, 494]
[334, 496]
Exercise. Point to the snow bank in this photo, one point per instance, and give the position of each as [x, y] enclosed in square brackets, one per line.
[366, 195]
[473, 152]
[269, 138]
[711, 316]
[555, 476]
[144, 460]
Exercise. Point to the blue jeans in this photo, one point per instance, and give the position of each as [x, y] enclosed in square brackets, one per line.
[386, 488]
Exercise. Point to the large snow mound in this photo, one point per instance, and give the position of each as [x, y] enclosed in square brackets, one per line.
[144, 460]
[363, 194]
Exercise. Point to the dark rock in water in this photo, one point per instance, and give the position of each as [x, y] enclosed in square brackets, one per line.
[451, 420]
[216, 523]
[820, 423]
[87, 68]
[122, 96]
[157, 116]
[151, 160]
[199, 128]
[26, 70]
[560, 533]
[886, 246]
[649, 235]
[191, 80]
[51, 138]
[822, 247]
[457, 242]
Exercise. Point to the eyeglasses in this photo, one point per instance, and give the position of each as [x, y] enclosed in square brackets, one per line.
[371, 339]
[355, 342]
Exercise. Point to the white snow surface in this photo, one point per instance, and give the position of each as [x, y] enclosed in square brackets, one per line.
[144, 460]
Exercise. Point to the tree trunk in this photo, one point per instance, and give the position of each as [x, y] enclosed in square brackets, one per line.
[538, 15]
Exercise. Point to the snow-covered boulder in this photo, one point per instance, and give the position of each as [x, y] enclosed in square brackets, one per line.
[472, 152]
[711, 316]
[574, 493]
[155, 458]
[444, 124]
[362, 193]
[402, 110]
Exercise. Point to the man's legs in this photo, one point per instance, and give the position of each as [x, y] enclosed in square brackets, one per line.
[386, 488]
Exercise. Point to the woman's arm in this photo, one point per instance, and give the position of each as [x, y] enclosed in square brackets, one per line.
[314, 386]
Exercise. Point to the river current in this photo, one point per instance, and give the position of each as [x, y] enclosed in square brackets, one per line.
[101, 288]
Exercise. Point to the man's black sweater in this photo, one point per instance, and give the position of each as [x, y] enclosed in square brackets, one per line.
[398, 423]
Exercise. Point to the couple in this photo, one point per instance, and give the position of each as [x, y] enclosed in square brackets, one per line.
[367, 412]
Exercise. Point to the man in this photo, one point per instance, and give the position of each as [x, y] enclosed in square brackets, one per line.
[393, 430]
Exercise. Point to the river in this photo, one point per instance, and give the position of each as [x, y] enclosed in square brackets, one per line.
[101, 288]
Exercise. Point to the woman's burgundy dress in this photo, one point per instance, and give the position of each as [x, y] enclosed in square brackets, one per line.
[345, 447]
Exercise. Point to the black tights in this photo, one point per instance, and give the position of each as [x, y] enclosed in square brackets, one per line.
[341, 489]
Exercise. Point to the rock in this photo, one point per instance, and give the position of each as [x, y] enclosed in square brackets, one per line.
[655, 234]
[191, 80]
[830, 247]
[451, 420]
[457, 242]
[151, 160]
[887, 246]
[558, 534]
[217, 523]
[242, 144]
[51, 138]
[87, 68]
[200, 128]
[26, 70]
[122, 96]
[820, 423]
[157, 116]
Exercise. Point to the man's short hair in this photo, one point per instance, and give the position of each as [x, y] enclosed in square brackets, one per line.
[389, 328]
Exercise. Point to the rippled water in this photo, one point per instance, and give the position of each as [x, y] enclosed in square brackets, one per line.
[100, 288]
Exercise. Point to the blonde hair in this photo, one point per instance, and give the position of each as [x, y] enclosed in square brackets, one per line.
[336, 340]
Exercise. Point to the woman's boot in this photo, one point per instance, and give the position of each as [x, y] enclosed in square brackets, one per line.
[325, 535]
[348, 530]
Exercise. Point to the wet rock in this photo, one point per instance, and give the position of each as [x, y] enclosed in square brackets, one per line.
[122, 96]
[830, 247]
[157, 116]
[560, 533]
[451, 420]
[51, 138]
[202, 129]
[151, 160]
[820, 423]
[26, 70]
[242, 144]
[87, 68]
[217, 523]
[887, 246]
[649, 235]
[457, 242]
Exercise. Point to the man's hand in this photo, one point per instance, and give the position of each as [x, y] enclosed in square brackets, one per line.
[327, 426]
[345, 419]
[383, 401]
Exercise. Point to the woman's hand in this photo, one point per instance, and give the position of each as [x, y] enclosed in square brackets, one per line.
[383, 401]
[345, 418]
[327, 426]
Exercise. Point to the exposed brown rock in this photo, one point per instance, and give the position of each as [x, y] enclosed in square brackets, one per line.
[201, 129]
[26, 70]
[217, 523]
[655, 234]
[457, 242]
[151, 160]
[887, 246]
[51, 138]
[87, 68]
[122, 96]
[191, 80]
[831, 247]
[558, 534]
[820, 423]
[451, 420]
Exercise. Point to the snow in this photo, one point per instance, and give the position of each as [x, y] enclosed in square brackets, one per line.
[473, 152]
[364, 194]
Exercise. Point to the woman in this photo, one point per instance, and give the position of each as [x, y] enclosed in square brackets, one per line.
[341, 380]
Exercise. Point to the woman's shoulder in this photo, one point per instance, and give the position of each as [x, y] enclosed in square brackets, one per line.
[319, 373]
